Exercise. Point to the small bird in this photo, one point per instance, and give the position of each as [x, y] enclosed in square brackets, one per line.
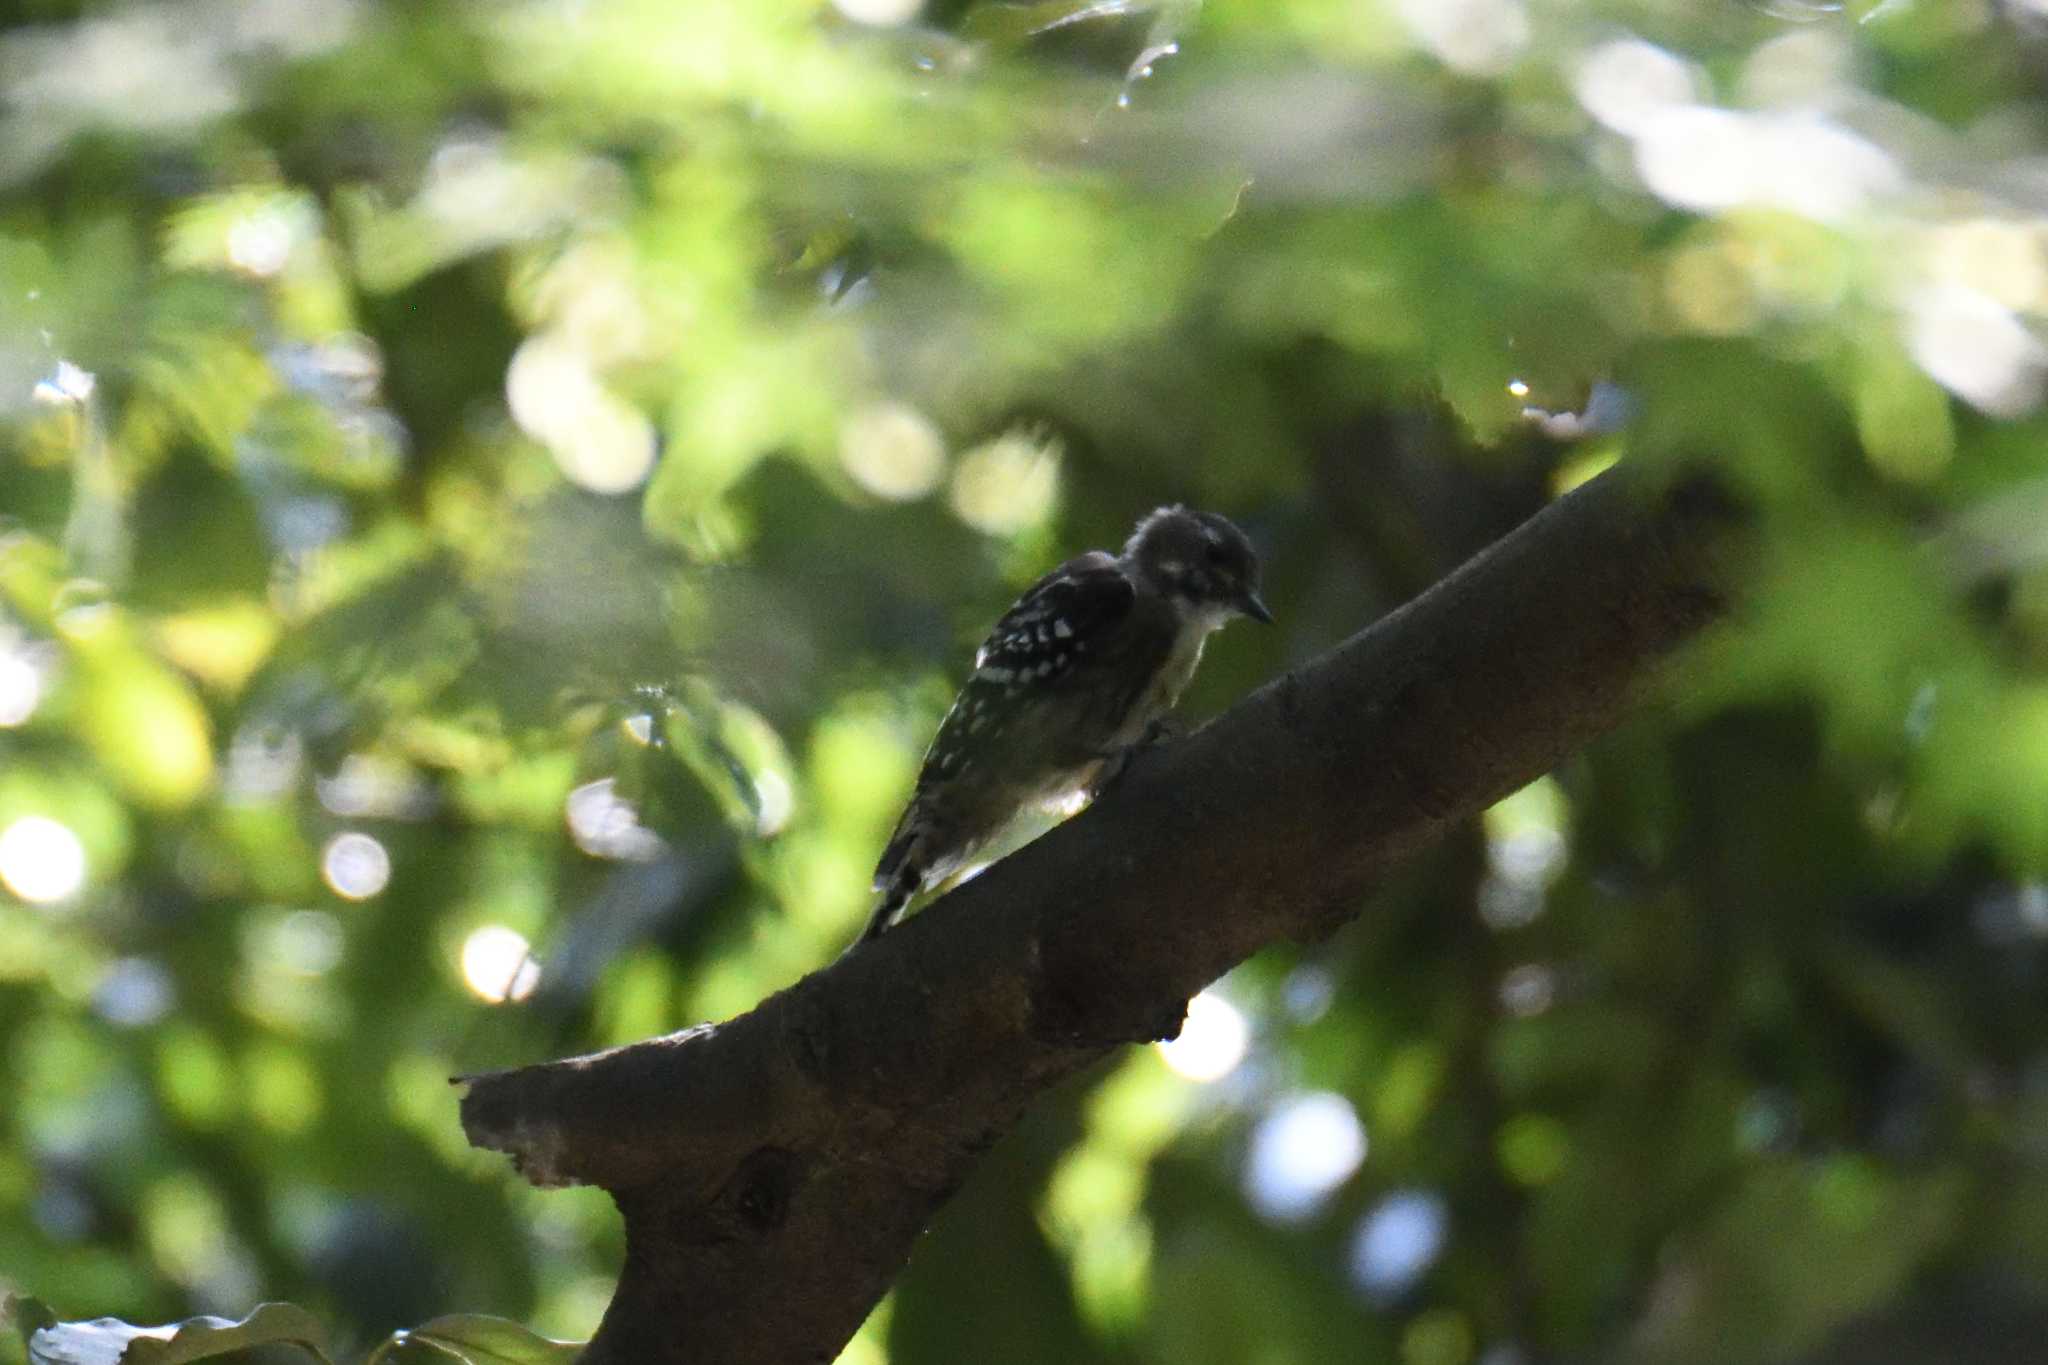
[1073, 676]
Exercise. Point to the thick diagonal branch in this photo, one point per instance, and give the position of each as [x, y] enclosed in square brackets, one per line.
[775, 1170]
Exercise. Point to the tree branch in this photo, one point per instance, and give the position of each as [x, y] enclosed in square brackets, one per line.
[774, 1170]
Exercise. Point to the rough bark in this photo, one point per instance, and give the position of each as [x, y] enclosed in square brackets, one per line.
[775, 1170]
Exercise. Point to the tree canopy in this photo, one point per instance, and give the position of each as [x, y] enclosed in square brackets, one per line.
[494, 500]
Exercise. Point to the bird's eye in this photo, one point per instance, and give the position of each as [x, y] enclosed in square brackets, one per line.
[1218, 556]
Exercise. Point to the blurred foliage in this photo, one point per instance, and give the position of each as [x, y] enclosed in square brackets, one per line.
[494, 498]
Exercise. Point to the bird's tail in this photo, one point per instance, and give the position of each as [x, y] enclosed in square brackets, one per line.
[891, 905]
[897, 878]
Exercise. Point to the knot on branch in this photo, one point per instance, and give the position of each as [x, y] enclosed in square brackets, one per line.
[762, 1190]
[753, 1203]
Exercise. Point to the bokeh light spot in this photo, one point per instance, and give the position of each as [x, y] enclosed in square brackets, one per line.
[498, 964]
[1627, 82]
[70, 384]
[2001, 259]
[605, 825]
[1976, 349]
[893, 451]
[1806, 68]
[1212, 1041]
[879, 13]
[260, 243]
[135, 993]
[23, 666]
[1477, 37]
[369, 786]
[1396, 1242]
[1708, 160]
[1007, 484]
[598, 442]
[1300, 1152]
[1525, 833]
[1697, 158]
[308, 942]
[41, 861]
[1528, 989]
[355, 866]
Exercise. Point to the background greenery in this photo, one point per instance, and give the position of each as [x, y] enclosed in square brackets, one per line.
[479, 475]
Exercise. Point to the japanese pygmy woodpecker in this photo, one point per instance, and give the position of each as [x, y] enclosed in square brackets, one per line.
[1071, 678]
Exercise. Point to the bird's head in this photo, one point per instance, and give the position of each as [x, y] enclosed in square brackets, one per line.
[1199, 559]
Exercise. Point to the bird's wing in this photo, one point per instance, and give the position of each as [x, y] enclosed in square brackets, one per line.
[1054, 623]
[1062, 622]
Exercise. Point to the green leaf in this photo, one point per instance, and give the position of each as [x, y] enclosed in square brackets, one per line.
[477, 1339]
[110, 1341]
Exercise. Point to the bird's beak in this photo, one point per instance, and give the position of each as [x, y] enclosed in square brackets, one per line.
[1255, 607]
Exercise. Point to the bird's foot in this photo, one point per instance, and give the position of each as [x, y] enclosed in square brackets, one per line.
[1162, 731]
[1166, 729]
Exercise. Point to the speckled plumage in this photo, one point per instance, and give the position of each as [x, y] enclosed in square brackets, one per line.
[1072, 676]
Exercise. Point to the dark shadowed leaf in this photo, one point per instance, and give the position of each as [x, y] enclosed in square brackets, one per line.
[29, 1316]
